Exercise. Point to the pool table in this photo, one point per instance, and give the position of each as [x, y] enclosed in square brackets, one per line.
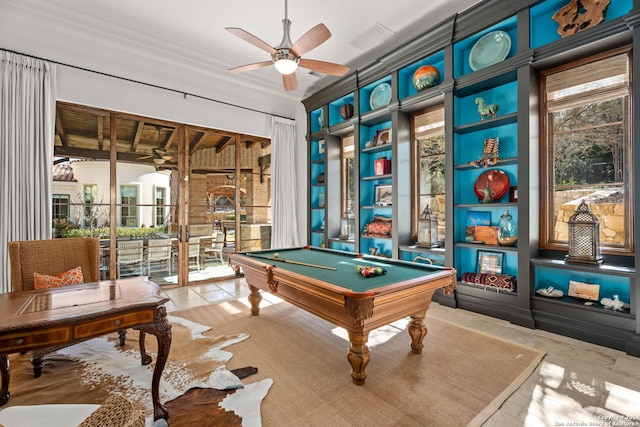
[326, 282]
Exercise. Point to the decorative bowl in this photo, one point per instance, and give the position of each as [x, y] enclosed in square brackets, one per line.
[380, 96]
[490, 49]
[497, 182]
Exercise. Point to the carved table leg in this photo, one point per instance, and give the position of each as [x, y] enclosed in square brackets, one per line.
[144, 356]
[4, 374]
[162, 330]
[358, 355]
[417, 331]
[254, 299]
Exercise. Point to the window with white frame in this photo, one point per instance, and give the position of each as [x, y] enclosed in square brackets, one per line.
[89, 195]
[587, 149]
[160, 198]
[129, 205]
[61, 206]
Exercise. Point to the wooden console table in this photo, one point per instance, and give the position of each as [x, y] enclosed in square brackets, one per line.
[34, 320]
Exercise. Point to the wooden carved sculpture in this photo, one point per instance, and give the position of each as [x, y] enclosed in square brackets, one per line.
[579, 15]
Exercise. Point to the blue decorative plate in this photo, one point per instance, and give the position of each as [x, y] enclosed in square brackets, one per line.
[490, 49]
[380, 96]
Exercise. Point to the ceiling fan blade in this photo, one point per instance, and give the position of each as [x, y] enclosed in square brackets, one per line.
[324, 67]
[146, 157]
[290, 81]
[169, 158]
[311, 39]
[248, 37]
[249, 67]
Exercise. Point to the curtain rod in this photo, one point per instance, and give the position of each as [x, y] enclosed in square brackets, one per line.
[185, 94]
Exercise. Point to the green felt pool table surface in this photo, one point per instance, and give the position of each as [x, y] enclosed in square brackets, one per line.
[345, 274]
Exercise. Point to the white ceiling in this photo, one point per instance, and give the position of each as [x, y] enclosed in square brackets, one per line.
[179, 43]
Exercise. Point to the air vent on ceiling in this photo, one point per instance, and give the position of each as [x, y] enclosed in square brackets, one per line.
[372, 37]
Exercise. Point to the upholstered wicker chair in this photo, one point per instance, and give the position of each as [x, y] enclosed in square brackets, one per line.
[53, 257]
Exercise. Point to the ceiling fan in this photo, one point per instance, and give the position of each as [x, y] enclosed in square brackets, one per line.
[287, 56]
[159, 155]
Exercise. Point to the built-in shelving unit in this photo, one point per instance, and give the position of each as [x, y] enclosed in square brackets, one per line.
[512, 84]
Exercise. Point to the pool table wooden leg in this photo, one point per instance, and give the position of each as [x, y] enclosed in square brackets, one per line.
[417, 331]
[358, 355]
[254, 298]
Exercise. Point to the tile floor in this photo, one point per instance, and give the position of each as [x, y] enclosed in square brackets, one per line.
[576, 384]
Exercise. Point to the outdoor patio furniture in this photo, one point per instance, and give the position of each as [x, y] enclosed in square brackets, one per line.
[216, 247]
[159, 254]
[194, 251]
[130, 254]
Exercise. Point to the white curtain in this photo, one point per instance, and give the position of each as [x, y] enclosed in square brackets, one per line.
[284, 227]
[27, 127]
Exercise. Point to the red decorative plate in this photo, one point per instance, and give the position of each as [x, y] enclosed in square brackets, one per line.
[498, 184]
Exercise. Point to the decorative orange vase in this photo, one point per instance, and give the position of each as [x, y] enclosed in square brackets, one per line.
[425, 77]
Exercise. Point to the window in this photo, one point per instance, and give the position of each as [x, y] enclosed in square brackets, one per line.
[89, 194]
[61, 206]
[428, 130]
[348, 182]
[161, 194]
[129, 206]
[586, 145]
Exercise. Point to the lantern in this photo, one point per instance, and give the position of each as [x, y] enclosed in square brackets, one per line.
[584, 237]
[427, 229]
[348, 225]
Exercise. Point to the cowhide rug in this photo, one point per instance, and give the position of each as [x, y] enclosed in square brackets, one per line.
[195, 383]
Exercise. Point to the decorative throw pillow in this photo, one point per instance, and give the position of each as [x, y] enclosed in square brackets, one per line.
[502, 281]
[71, 277]
[379, 227]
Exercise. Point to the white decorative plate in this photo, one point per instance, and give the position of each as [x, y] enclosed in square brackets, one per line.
[490, 49]
[380, 96]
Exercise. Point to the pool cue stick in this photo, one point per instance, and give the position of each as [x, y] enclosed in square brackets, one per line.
[292, 262]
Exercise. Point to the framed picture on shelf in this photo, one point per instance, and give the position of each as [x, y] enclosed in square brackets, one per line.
[383, 195]
[513, 194]
[489, 262]
[321, 146]
[474, 219]
[383, 136]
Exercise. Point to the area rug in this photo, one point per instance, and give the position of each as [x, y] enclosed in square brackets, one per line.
[461, 378]
[91, 371]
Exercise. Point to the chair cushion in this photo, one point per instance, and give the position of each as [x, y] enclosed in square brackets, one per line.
[71, 277]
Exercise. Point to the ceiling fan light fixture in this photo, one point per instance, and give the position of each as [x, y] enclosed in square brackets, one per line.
[158, 160]
[285, 62]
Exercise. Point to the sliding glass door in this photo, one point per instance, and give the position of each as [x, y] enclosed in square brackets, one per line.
[167, 200]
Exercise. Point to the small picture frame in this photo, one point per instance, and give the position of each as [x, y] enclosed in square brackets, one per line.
[383, 136]
[489, 262]
[513, 194]
[474, 219]
[321, 146]
[383, 195]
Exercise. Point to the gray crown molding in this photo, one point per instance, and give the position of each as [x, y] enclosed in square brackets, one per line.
[481, 16]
